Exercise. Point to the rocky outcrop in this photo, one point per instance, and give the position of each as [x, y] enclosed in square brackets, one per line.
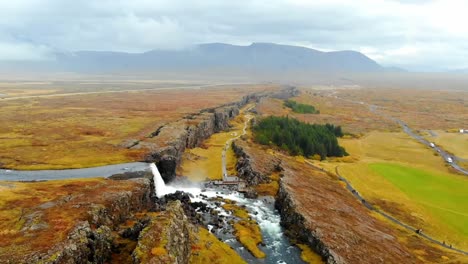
[121, 226]
[122, 205]
[91, 238]
[83, 245]
[250, 167]
[244, 167]
[167, 239]
[168, 143]
[296, 227]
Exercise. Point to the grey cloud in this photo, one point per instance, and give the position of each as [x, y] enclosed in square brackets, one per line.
[387, 29]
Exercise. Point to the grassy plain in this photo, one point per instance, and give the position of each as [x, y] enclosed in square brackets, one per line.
[454, 142]
[92, 129]
[424, 170]
[355, 119]
[443, 195]
[64, 85]
[420, 109]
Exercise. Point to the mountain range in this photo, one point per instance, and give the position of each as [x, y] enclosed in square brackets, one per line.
[261, 57]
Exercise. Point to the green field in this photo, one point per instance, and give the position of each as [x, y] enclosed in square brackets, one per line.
[444, 195]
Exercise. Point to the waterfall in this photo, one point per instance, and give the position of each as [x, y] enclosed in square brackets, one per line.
[159, 185]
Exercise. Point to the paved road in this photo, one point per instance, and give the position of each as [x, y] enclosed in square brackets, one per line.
[228, 145]
[103, 171]
[444, 154]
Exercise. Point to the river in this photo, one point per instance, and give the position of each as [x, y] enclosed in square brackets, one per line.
[102, 171]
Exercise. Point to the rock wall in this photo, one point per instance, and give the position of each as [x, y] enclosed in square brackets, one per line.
[170, 141]
[83, 245]
[123, 205]
[91, 241]
[253, 165]
[295, 226]
[160, 237]
[167, 239]
[244, 165]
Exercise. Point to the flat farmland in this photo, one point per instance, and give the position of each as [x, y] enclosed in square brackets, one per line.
[355, 119]
[88, 130]
[419, 108]
[406, 179]
[454, 142]
[44, 88]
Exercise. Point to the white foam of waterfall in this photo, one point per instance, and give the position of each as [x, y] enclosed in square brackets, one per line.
[159, 185]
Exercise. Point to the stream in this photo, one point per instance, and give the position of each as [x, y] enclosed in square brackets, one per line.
[277, 246]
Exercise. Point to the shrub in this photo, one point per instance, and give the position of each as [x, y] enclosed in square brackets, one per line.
[300, 108]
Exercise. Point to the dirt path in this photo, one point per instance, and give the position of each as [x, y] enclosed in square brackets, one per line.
[228, 145]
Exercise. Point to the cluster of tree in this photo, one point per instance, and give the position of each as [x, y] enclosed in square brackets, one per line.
[299, 138]
[301, 108]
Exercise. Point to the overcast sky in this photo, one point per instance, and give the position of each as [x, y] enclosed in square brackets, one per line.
[414, 34]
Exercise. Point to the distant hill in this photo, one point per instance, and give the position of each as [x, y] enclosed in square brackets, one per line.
[460, 71]
[262, 57]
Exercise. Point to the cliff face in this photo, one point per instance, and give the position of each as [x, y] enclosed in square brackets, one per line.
[78, 223]
[167, 239]
[295, 226]
[168, 143]
[83, 245]
[253, 167]
[101, 221]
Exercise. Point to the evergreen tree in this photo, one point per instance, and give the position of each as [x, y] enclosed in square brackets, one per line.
[300, 138]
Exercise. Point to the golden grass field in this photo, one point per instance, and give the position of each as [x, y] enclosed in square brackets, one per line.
[420, 109]
[402, 201]
[453, 142]
[331, 111]
[80, 84]
[89, 130]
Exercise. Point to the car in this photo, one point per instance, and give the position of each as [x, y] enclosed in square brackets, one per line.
[449, 160]
[432, 145]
